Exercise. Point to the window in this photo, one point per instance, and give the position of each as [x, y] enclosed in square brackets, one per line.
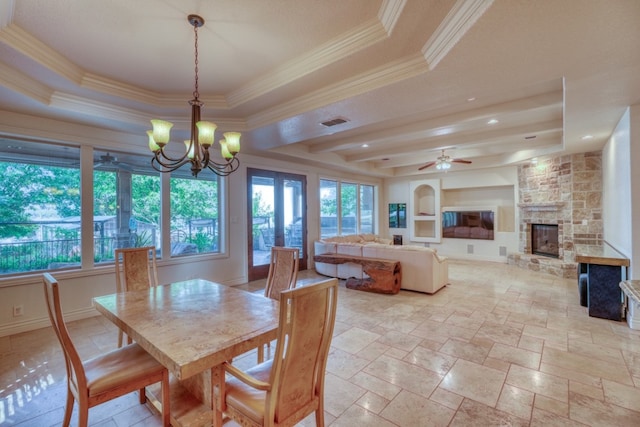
[346, 208]
[126, 204]
[366, 208]
[194, 214]
[40, 207]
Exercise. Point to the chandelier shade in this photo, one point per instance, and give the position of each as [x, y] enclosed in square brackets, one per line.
[198, 147]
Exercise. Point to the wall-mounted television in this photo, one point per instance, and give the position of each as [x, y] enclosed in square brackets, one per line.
[468, 224]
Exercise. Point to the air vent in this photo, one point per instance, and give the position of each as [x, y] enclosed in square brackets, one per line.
[333, 122]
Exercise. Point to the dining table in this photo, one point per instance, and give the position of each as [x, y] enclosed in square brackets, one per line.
[192, 327]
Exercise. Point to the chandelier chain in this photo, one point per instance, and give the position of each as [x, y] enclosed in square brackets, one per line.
[196, 94]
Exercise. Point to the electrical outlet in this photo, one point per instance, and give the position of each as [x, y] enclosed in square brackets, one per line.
[18, 310]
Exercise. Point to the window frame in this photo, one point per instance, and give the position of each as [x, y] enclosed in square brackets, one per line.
[84, 162]
[338, 199]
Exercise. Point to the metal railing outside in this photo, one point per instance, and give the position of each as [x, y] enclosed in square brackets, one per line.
[17, 257]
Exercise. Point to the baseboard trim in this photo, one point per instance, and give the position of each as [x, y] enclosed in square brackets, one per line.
[44, 322]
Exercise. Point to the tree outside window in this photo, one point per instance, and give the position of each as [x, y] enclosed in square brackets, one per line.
[40, 207]
[346, 208]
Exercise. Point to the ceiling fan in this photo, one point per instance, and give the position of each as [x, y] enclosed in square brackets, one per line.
[443, 162]
[107, 161]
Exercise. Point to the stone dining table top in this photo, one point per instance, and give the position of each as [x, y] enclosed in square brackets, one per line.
[193, 325]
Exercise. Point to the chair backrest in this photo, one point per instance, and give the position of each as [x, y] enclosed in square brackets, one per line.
[75, 369]
[307, 317]
[136, 268]
[283, 271]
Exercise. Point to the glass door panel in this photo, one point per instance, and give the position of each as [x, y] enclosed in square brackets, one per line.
[276, 217]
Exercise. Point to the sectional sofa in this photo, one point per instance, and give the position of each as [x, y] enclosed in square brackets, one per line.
[422, 269]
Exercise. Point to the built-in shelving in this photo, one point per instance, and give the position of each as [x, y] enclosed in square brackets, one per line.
[424, 211]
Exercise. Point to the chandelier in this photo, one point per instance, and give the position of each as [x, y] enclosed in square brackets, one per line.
[202, 135]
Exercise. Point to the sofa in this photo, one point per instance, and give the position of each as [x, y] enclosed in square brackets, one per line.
[422, 269]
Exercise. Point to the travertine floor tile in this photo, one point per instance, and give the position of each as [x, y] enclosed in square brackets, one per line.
[354, 340]
[473, 413]
[621, 395]
[358, 416]
[432, 360]
[594, 412]
[474, 381]
[538, 382]
[499, 333]
[525, 358]
[542, 418]
[405, 375]
[516, 401]
[409, 409]
[466, 350]
[376, 385]
[586, 364]
[373, 402]
[399, 340]
[498, 346]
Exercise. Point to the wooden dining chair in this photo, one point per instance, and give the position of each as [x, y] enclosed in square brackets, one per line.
[284, 390]
[136, 269]
[283, 273]
[104, 377]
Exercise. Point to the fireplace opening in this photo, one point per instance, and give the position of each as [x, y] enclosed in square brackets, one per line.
[544, 240]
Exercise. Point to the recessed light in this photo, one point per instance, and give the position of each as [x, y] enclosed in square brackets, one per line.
[587, 137]
[492, 122]
[365, 145]
[473, 98]
[534, 161]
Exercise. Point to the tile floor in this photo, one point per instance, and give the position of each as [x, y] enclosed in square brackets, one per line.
[499, 346]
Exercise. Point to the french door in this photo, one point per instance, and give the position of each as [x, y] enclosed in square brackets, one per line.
[276, 209]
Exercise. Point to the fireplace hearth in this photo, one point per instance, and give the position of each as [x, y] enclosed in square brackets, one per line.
[544, 240]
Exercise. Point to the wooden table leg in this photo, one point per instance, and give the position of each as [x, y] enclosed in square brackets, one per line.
[217, 382]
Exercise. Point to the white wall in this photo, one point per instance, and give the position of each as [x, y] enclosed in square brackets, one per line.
[78, 287]
[621, 188]
[481, 182]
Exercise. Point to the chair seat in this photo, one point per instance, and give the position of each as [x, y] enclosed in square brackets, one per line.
[246, 399]
[119, 366]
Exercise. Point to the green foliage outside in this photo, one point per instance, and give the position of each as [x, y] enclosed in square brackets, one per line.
[33, 192]
[30, 186]
[193, 199]
[260, 209]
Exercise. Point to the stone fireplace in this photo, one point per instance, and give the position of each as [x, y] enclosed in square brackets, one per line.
[566, 192]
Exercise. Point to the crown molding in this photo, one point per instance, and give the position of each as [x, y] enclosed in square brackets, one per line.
[332, 51]
[6, 12]
[20, 82]
[22, 41]
[98, 109]
[458, 21]
[359, 38]
[132, 93]
[390, 12]
[387, 74]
